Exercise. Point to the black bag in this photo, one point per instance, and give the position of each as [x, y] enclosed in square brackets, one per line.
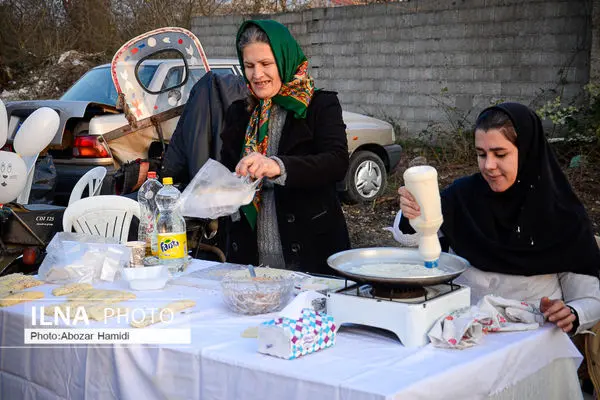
[30, 224]
[130, 176]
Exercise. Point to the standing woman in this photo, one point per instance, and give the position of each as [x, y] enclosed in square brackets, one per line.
[293, 137]
[519, 223]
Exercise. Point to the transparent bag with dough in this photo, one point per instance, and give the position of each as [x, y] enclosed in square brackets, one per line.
[215, 192]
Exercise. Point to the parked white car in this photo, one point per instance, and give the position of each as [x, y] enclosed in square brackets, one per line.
[88, 113]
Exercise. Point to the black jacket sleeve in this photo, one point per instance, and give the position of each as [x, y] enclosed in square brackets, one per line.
[328, 161]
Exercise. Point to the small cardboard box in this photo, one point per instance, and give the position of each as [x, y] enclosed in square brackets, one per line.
[43, 219]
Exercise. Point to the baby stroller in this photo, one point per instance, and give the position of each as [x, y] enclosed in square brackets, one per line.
[202, 105]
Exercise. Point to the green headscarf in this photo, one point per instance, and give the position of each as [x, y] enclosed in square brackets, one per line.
[295, 94]
[288, 57]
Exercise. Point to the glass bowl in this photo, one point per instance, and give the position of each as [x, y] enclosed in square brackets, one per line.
[268, 292]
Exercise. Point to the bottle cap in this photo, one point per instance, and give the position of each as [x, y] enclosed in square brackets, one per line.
[167, 181]
[151, 175]
[431, 264]
[420, 173]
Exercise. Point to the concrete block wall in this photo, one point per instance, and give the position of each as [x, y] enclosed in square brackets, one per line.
[413, 61]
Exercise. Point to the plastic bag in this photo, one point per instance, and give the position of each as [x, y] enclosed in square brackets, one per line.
[215, 191]
[82, 258]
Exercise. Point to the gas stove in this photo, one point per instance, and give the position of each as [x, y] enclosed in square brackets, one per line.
[409, 313]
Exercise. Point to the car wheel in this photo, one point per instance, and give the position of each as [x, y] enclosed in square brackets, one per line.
[366, 177]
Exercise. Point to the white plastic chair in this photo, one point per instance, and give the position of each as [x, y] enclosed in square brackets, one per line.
[107, 216]
[92, 179]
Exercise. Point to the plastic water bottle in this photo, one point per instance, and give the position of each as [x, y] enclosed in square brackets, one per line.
[147, 201]
[170, 225]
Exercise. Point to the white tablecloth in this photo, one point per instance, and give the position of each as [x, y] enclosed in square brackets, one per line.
[220, 364]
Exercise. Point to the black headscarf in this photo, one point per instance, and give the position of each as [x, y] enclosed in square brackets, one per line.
[537, 226]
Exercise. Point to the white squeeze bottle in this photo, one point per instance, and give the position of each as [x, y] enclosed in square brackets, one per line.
[147, 202]
[170, 225]
[422, 183]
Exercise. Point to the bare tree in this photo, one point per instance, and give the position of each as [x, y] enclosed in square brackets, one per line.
[33, 30]
[30, 30]
[91, 24]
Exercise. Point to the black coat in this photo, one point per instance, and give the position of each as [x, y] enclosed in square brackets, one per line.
[195, 139]
[314, 152]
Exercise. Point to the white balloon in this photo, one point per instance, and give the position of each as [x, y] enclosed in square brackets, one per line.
[36, 132]
[3, 124]
[13, 176]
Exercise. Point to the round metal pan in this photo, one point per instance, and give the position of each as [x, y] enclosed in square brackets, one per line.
[344, 262]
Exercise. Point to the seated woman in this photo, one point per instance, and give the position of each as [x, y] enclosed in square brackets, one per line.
[519, 223]
[294, 137]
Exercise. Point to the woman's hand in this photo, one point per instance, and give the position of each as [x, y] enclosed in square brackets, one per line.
[408, 204]
[257, 166]
[557, 312]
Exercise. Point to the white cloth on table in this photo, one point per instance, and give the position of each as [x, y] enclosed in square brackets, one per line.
[220, 364]
[582, 292]
[466, 327]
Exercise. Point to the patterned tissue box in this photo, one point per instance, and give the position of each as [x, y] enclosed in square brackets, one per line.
[291, 338]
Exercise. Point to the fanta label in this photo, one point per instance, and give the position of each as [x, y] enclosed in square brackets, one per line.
[172, 245]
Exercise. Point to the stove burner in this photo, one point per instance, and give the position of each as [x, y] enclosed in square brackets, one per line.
[398, 293]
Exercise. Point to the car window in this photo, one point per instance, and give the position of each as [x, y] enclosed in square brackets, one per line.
[173, 78]
[180, 95]
[197, 73]
[97, 85]
[223, 70]
[145, 73]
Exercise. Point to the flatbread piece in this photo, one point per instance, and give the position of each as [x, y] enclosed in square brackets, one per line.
[20, 297]
[71, 288]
